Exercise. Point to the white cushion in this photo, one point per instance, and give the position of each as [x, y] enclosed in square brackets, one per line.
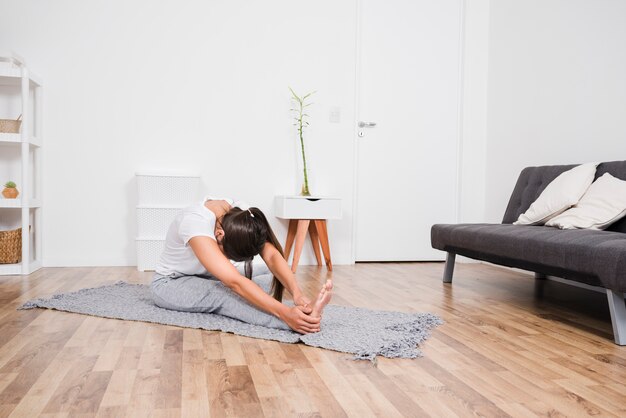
[603, 204]
[562, 193]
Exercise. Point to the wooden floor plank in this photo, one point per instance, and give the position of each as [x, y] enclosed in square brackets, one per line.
[232, 351]
[68, 389]
[218, 382]
[245, 398]
[30, 364]
[372, 397]
[144, 392]
[296, 396]
[345, 395]
[41, 391]
[119, 389]
[320, 395]
[169, 392]
[90, 396]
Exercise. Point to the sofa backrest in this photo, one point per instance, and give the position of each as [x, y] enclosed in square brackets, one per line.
[532, 181]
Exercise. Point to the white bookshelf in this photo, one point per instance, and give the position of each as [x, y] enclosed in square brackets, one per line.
[21, 91]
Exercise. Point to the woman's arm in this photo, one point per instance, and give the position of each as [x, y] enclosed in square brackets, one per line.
[209, 254]
[279, 267]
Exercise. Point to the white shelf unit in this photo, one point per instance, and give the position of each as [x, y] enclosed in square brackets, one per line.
[160, 197]
[21, 161]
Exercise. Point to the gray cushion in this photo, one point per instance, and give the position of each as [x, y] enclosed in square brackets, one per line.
[594, 257]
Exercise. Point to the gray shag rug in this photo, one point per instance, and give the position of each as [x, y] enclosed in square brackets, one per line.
[363, 332]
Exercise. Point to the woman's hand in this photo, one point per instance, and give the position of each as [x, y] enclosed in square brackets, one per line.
[303, 302]
[299, 321]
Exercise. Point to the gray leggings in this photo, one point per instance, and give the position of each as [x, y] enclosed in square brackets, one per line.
[207, 294]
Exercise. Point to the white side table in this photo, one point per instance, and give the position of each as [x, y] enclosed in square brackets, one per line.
[307, 213]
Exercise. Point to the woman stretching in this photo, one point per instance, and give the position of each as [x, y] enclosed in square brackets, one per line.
[194, 273]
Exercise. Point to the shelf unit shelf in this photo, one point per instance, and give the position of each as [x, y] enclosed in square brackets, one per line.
[13, 77]
[17, 269]
[24, 155]
[19, 203]
[11, 269]
[17, 139]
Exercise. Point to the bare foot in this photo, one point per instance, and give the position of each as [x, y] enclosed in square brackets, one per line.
[322, 299]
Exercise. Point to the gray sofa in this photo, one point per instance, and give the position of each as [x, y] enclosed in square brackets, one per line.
[595, 258]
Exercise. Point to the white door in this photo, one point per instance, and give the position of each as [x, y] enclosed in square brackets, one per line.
[407, 163]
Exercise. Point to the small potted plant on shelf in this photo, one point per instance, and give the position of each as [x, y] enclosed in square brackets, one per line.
[10, 190]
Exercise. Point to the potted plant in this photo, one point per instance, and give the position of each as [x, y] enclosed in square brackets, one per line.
[10, 191]
[300, 124]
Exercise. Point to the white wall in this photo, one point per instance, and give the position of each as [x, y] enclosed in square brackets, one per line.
[201, 85]
[556, 90]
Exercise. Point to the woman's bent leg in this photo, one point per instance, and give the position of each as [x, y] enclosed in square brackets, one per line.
[197, 294]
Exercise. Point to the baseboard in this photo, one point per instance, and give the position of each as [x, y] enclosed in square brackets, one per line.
[466, 260]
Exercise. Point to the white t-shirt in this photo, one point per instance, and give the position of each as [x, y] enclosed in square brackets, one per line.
[193, 221]
[177, 255]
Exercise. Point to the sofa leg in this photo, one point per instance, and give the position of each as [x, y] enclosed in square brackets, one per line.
[617, 307]
[449, 269]
[540, 276]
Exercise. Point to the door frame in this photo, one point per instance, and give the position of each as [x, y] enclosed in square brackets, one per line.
[357, 110]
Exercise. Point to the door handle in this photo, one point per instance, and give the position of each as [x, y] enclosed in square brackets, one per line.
[366, 124]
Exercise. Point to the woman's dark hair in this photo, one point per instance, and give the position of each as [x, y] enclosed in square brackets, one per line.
[245, 234]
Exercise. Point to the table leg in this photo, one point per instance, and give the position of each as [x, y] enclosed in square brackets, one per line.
[291, 234]
[315, 241]
[303, 225]
[320, 225]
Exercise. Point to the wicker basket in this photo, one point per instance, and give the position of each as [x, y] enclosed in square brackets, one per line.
[11, 246]
[10, 126]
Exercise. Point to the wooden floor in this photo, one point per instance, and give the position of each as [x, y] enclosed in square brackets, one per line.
[510, 347]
